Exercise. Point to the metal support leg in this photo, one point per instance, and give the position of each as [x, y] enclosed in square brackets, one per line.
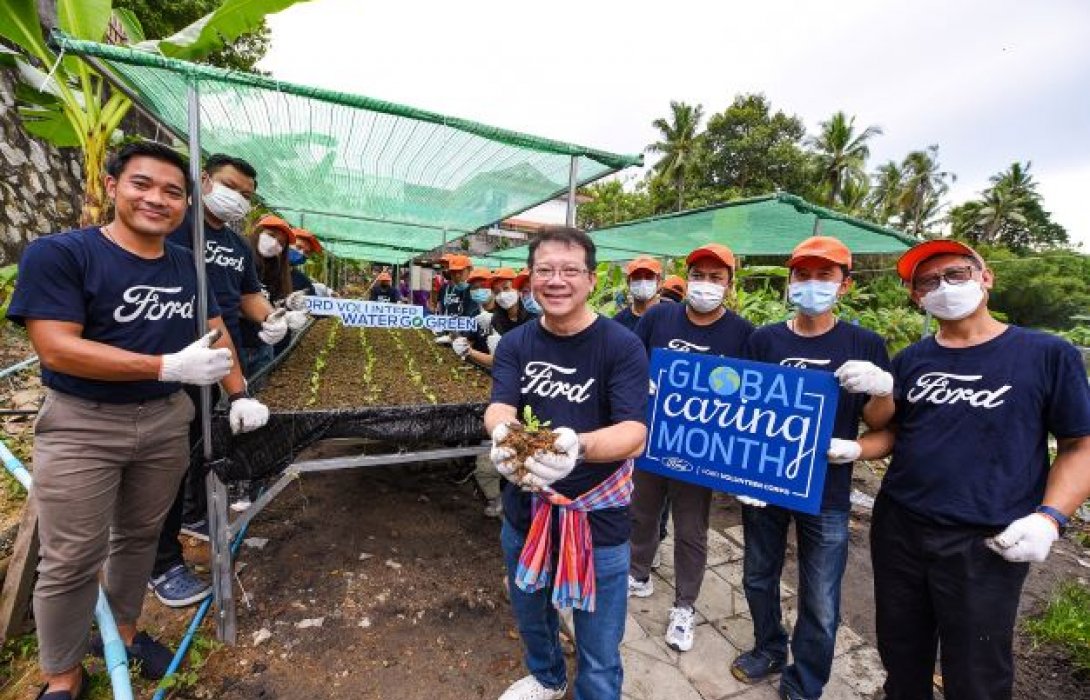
[573, 182]
[219, 537]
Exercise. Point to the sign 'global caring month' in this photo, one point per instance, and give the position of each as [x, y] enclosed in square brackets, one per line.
[743, 427]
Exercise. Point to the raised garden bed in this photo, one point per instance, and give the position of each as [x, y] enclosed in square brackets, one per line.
[393, 386]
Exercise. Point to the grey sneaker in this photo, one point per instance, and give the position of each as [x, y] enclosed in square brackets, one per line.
[494, 509]
[179, 587]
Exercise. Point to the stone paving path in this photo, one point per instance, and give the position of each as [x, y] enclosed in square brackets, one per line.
[724, 629]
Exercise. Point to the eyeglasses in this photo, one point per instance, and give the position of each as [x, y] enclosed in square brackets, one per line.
[568, 272]
[953, 275]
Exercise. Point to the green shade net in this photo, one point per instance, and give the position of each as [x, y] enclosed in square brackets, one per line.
[352, 169]
[769, 225]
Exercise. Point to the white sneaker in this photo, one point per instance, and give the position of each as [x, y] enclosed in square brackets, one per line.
[679, 631]
[494, 508]
[656, 561]
[640, 589]
[529, 688]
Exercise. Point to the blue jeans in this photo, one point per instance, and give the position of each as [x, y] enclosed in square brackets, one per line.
[823, 555]
[597, 635]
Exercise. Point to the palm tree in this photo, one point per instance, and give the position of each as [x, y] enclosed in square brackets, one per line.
[680, 145]
[924, 187]
[884, 195]
[841, 154]
[1006, 204]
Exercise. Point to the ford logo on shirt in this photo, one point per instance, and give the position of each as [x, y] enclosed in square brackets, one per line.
[802, 362]
[542, 382]
[216, 254]
[685, 346]
[936, 388]
[147, 302]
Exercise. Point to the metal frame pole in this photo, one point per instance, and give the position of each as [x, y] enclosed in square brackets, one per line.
[217, 493]
[573, 181]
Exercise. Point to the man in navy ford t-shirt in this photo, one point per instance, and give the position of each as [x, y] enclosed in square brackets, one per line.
[587, 376]
[969, 498]
[111, 312]
[814, 339]
[702, 324]
[228, 185]
[644, 275]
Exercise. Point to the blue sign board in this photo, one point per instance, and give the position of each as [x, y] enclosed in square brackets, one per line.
[747, 428]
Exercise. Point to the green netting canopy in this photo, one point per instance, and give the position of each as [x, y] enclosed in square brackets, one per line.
[769, 225]
[368, 177]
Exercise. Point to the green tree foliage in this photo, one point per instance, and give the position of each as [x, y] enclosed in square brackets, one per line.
[840, 159]
[1043, 291]
[680, 145]
[165, 18]
[1009, 213]
[612, 204]
[751, 150]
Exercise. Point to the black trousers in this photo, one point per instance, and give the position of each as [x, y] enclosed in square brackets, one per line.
[190, 504]
[939, 587]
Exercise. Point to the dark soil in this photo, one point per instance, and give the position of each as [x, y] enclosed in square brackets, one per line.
[1040, 673]
[371, 367]
[525, 444]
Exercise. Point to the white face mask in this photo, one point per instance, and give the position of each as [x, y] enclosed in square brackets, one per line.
[642, 290]
[507, 298]
[268, 246]
[704, 297]
[225, 204]
[953, 302]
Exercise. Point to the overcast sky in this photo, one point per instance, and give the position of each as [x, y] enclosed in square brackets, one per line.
[990, 81]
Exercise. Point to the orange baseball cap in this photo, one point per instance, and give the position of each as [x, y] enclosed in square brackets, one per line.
[444, 259]
[277, 224]
[501, 274]
[480, 273]
[309, 237]
[715, 251]
[644, 263]
[907, 264]
[458, 262]
[822, 248]
[674, 283]
[522, 278]
[383, 277]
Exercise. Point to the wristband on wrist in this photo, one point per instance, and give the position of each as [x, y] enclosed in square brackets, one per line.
[231, 398]
[1056, 516]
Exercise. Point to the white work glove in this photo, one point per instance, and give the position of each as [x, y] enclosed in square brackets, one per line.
[296, 301]
[248, 414]
[753, 502]
[460, 347]
[197, 363]
[1026, 539]
[320, 290]
[502, 457]
[553, 465]
[843, 451]
[296, 319]
[444, 339]
[274, 327]
[862, 377]
[493, 341]
[484, 322]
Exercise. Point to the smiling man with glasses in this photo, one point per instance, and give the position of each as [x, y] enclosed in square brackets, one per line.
[970, 498]
[586, 376]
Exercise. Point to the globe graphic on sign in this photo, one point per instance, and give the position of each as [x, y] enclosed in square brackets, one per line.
[724, 381]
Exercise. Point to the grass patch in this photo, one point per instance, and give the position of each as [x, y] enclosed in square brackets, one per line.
[1066, 623]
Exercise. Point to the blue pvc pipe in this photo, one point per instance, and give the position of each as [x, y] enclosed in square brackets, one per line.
[117, 663]
[194, 625]
[18, 366]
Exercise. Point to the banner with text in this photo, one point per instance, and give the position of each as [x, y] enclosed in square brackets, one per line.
[377, 314]
[743, 427]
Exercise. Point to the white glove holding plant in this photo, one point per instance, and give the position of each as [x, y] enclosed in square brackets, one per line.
[493, 341]
[296, 319]
[862, 377]
[503, 458]
[484, 322]
[296, 301]
[274, 327]
[750, 501]
[843, 451]
[460, 346]
[248, 414]
[547, 467]
[1026, 539]
[320, 290]
[197, 363]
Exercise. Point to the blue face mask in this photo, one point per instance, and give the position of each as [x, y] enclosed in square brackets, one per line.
[531, 305]
[813, 297]
[295, 257]
[481, 296]
[461, 286]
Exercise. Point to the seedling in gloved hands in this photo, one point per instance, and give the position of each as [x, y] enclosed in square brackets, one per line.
[527, 438]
